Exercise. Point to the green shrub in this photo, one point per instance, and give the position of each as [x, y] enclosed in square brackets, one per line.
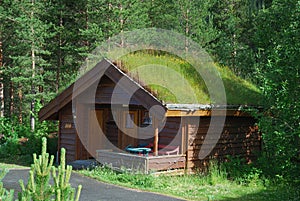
[10, 147]
[11, 130]
[216, 173]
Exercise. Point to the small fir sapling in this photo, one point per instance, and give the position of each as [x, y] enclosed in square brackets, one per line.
[39, 188]
[61, 177]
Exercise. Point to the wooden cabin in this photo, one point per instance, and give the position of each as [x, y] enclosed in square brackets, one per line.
[100, 118]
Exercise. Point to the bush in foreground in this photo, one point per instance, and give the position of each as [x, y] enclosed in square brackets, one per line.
[38, 187]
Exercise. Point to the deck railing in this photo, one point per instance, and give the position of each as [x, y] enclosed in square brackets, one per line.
[142, 164]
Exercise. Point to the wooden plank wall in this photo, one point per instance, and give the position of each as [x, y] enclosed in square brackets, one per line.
[67, 135]
[105, 90]
[160, 163]
[110, 127]
[240, 137]
[170, 134]
[82, 127]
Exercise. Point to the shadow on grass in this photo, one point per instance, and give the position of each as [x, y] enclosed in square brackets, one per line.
[281, 192]
[17, 160]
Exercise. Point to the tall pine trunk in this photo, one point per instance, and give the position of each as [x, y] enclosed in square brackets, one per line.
[121, 25]
[32, 104]
[1, 80]
[1, 74]
[187, 30]
[60, 56]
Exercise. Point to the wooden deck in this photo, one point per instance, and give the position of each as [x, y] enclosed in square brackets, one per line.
[141, 164]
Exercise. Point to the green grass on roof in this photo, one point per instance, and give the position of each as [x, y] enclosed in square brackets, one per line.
[173, 80]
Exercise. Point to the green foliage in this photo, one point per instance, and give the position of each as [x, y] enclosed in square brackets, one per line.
[245, 174]
[11, 128]
[63, 189]
[39, 188]
[216, 173]
[10, 148]
[44, 43]
[212, 185]
[279, 66]
[18, 138]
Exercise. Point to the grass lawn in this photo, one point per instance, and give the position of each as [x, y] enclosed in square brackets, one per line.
[214, 186]
[200, 187]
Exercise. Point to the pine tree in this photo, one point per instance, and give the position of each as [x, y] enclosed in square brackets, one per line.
[63, 189]
[279, 75]
[196, 21]
[125, 15]
[233, 46]
[39, 188]
[163, 14]
[25, 54]
[1, 65]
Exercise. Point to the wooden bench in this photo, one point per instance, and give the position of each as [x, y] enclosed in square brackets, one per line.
[174, 151]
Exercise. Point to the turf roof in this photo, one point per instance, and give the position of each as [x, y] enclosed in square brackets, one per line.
[173, 80]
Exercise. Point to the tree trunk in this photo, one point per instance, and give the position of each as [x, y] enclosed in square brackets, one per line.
[20, 96]
[60, 57]
[121, 25]
[86, 42]
[187, 30]
[32, 104]
[1, 82]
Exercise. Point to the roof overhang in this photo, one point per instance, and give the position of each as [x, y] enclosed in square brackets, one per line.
[147, 100]
[104, 67]
[189, 110]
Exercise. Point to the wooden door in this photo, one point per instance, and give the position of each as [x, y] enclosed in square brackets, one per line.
[96, 130]
[129, 136]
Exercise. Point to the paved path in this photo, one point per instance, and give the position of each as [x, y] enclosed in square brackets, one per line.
[92, 190]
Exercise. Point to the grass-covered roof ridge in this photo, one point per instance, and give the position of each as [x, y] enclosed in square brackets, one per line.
[173, 80]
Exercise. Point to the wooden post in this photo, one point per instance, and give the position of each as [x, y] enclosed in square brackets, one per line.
[155, 142]
[187, 136]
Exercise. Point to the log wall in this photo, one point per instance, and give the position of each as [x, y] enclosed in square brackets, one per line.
[67, 136]
[170, 135]
[240, 137]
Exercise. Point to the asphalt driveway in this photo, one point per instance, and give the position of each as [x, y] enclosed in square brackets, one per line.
[92, 190]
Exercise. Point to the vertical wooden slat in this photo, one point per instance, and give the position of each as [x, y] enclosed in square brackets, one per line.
[77, 148]
[119, 122]
[155, 141]
[187, 143]
[59, 137]
[183, 136]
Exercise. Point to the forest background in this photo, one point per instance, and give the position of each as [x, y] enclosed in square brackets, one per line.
[43, 44]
